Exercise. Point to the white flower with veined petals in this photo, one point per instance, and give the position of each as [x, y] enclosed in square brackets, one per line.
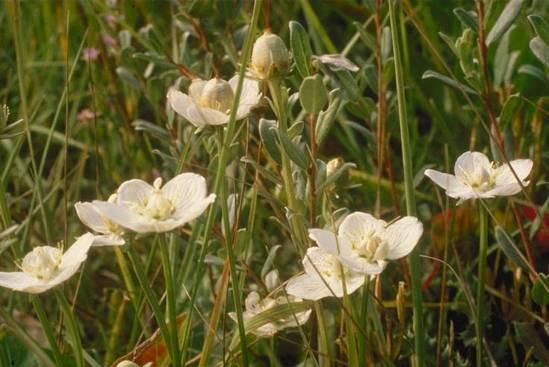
[143, 208]
[477, 177]
[255, 305]
[209, 102]
[325, 276]
[46, 266]
[110, 233]
[365, 244]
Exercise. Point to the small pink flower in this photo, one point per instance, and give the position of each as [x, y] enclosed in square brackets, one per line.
[86, 115]
[108, 40]
[90, 54]
[111, 20]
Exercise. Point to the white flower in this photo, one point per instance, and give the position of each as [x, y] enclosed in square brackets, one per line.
[255, 305]
[127, 363]
[143, 208]
[325, 276]
[110, 232]
[209, 102]
[477, 177]
[364, 243]
[45, 267]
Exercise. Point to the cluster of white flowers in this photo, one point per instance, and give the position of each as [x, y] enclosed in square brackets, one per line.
[135, 207]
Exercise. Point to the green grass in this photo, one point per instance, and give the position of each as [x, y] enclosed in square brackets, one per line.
[425, 92]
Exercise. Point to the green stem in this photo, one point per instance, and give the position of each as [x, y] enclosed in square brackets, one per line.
[170, 299]
[72, 326]
[220, 176]
[481, 279]
[46, 326]
[415, 265]
[296, 222]
[152, 299]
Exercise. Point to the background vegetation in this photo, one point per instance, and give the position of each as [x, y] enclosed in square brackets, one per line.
[82, 121]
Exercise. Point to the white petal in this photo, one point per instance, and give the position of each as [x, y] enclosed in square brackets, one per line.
[22, 282]
[108, 240]
[504, 175]
[195, 89]
[326, 240]
[469, 162]
[180, 102]
[357, 225]
[91, 217]
[454, 187]
[123, 216]
[78, 252]
[134, 192]
[353, 281]
[187, 192]
[360, 265]
[201, 116]
[249, 97]
[307, 287]
[402, 236]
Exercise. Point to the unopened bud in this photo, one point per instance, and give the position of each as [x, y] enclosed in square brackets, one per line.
[270, 56]
[333, 165]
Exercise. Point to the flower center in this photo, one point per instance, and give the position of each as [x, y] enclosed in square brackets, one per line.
[157, 205]
[370, 247]
[42, 262]
[217, 94]
[331, 267]
[481, 179]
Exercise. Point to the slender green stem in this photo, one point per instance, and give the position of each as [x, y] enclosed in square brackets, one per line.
[152, 299]
[481, 279]
[296, 221]
[72, 326]
[415, 265]
[220, 177]
[48, 330]
[170, 299]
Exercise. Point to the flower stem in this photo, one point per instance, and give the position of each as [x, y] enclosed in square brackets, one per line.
[220, 180]
[152, 299]
[415, 265]
[481, 279]
[170, 299]
[46, 325]
[72, 326]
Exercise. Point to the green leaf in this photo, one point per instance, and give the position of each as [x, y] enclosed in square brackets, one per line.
[449, 42]
[335, 175]
[532, 71]
[327, 117]
[295, 153]
[540, 50]
[451, 82]
[507, 17]
[348, 84]
[269, 261]
[126, 76]
[540, 290]
[313, 94]
[529, 338]
[509, 248]
[152, 129]
[467, 18]
[270, 140]
[370, 73]
[511, 106]
[301, 48]
[540, 26]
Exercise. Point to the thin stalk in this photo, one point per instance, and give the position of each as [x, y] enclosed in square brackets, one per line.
[415, 265]
[152, 299]
[48, 330]
[72, 326]
[220, 174]
[296, 223]
[481, 279]
[170, 299]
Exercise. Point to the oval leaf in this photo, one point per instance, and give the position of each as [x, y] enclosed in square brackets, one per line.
[301, 48]
[507, 17]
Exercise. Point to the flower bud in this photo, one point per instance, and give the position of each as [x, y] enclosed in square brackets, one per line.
[217, 94]
[333, 165]
[270, 56]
